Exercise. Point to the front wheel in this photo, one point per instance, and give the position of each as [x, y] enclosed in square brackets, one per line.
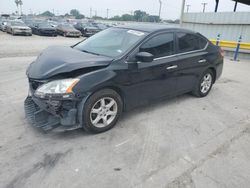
[205, 84]
[102, 110]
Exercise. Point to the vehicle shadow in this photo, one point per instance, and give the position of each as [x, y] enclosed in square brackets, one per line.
[145, 109]
[162, 103]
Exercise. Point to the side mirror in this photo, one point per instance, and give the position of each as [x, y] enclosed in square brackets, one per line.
[144, 57]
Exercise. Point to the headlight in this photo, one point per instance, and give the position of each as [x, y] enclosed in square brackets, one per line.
[64, 86]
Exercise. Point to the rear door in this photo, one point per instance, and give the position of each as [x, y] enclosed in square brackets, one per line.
[192, 60]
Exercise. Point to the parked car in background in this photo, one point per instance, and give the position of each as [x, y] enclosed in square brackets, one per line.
[53, 23]
[68, 30]
[101, 26]
[3, 24]
[87, 29]
[18, 28]
[44, 29]
[29, 22]
[89, 85]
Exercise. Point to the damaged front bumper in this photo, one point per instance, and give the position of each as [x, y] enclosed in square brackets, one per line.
[48, 114]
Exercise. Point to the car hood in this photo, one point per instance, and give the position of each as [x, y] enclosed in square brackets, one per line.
[47, 28]
[56, 60]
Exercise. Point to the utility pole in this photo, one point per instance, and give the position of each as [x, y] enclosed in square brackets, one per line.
[188, 7]
[204, 6]
[216, 5]
[17, 5]
[90, 12]
[160, 9]
[95, 13]
[182, 12]
[107, 13]
[21, 8]
[235, 6]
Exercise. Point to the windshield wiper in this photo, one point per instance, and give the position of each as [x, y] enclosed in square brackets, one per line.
[90, 52]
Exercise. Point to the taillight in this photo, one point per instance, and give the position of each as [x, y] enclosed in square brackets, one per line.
[221, 51]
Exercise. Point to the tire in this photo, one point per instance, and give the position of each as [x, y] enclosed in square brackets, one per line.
[205, 84]
[94, 103]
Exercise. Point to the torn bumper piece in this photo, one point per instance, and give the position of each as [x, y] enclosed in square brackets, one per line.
[48, 115]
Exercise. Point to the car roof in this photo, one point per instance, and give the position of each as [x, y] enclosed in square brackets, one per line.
[150, 28]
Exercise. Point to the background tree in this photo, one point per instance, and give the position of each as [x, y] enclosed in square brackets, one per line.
[127, 17]
[139, 15]
[76, 14]
[47, 14]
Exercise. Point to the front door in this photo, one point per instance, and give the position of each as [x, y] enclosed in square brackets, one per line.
[155, 79]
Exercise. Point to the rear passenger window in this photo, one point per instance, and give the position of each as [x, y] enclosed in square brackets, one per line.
[190, 42]
[160, 45]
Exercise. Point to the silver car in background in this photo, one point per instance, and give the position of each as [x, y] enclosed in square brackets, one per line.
[18, 28]
[3, 24]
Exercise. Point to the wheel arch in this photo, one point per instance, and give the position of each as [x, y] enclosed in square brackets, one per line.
[116, 89]
[214, 73]
[81, 105]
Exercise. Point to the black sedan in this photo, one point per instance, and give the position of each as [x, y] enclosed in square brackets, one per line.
[44, 29]
[89, 85]
[87, 29]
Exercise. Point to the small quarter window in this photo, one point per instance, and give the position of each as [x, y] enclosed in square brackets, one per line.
[160, 45]
[190, 42]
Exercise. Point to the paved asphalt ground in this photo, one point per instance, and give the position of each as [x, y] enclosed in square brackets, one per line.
[181, 142]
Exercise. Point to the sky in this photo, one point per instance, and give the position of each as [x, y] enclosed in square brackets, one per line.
[170, 8]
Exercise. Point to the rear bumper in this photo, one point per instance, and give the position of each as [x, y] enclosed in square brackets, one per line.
[22, 32]
[219, 69]
[47, 115]
[48, 33]
[73, 34]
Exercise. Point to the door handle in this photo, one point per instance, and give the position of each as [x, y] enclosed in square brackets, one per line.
[172, 67]
[202, 61]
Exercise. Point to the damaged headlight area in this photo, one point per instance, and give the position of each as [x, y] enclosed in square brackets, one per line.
[52, 104]
[57, 87]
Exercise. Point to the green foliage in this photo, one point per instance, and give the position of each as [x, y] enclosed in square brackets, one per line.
[97, 18]
[127, 17]
[139, 16]
[76, 14]
[47, 14]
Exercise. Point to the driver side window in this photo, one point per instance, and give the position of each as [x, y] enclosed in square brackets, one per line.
[160, 45]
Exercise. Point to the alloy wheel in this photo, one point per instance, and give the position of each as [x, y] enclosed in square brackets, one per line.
[206, 83]
[103, 112]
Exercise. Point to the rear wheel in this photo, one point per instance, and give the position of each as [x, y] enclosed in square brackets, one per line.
[102, 110]
[205, 84]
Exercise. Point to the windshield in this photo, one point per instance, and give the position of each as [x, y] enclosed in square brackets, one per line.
[17, 24]
[44, 25]
[112, 42]
[67, 26]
